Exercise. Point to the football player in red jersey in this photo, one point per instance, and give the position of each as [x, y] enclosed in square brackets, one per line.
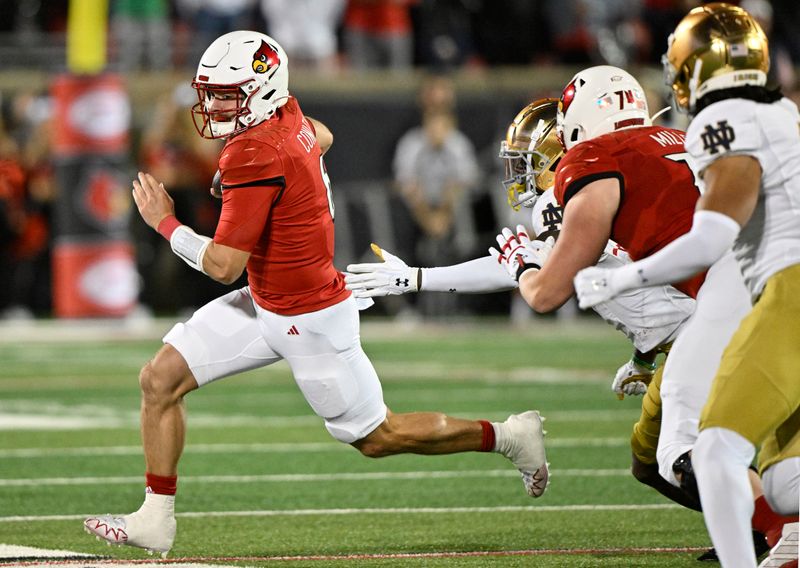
[624, 179]
[276, 221]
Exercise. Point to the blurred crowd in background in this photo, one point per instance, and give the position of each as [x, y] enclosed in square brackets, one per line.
[442, 190]
[358, 34]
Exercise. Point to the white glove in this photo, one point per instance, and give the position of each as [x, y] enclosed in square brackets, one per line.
[518, 253]
[595, 285]
[632, 379]
[391, 277]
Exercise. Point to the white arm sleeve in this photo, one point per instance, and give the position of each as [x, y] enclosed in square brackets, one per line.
[476, 276]
[712, 234]
[189, 246]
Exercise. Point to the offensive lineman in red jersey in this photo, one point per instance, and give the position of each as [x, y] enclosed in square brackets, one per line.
[657, 191]
[624, 179]
[277, 221]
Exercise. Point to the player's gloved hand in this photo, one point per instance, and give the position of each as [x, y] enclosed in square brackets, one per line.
[517, 253]
[388, 278]
[595, 285]
[632, 378]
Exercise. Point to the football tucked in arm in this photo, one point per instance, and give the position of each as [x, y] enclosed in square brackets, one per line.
[216, 185]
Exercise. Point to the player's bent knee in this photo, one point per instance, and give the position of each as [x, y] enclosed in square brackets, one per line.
[155, 384]
[378, 443]
[781, 484]
[166, 376]
[783, 503]
[370, 449]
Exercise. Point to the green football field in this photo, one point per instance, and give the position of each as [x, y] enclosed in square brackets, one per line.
[262, 483]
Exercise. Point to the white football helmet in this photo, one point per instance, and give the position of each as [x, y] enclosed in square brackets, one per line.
[599, 100]
[250, 65]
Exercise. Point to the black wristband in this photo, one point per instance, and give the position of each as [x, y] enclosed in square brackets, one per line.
[526, 266]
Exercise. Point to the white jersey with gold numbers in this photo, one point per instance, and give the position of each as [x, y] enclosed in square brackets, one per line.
[770, 241]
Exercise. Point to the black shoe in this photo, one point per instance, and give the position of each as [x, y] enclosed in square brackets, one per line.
[759, 540]
[761, 544]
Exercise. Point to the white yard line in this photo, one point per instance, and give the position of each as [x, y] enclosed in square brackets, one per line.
[269, 448]
[308, 477]
[87, 330]
[16, 551]
[13, 417]
[380, 511]
[15, 555]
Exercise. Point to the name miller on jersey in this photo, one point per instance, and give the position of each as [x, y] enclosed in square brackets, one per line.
[668, 138]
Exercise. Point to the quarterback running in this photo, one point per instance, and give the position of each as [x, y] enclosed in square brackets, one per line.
[277, 223]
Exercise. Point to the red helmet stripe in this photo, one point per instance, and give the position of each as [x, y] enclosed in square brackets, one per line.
[567, 97]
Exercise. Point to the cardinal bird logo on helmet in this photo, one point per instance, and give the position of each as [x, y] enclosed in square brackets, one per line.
[266, 58]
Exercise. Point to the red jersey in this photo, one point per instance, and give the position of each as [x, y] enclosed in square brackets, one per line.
[276, 205]
[658, 191]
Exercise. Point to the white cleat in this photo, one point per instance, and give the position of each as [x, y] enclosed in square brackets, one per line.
[786, 550]
[521, 439]
[154, 534]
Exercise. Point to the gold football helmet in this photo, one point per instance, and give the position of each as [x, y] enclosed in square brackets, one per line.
[531, 152]
[715, 46]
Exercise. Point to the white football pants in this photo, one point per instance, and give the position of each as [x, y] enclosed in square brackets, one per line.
[233, 334]
[694, 358]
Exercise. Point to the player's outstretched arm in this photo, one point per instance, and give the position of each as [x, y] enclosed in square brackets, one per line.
[393, 276]
[222, 263]
[477, 276]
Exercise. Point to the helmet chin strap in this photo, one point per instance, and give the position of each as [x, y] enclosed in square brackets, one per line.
[694, 82]
[659, 113]
[219, 128]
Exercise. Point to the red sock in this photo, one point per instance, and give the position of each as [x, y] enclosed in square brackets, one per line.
[487, 444]
[160, 484]
[768, 522]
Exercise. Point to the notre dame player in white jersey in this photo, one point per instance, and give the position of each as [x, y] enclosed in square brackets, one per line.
[650, 318]
[744, 144]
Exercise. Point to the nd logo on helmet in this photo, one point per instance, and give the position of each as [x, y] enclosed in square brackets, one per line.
[265, 58]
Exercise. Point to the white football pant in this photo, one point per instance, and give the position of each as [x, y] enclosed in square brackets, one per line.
[233, 334]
